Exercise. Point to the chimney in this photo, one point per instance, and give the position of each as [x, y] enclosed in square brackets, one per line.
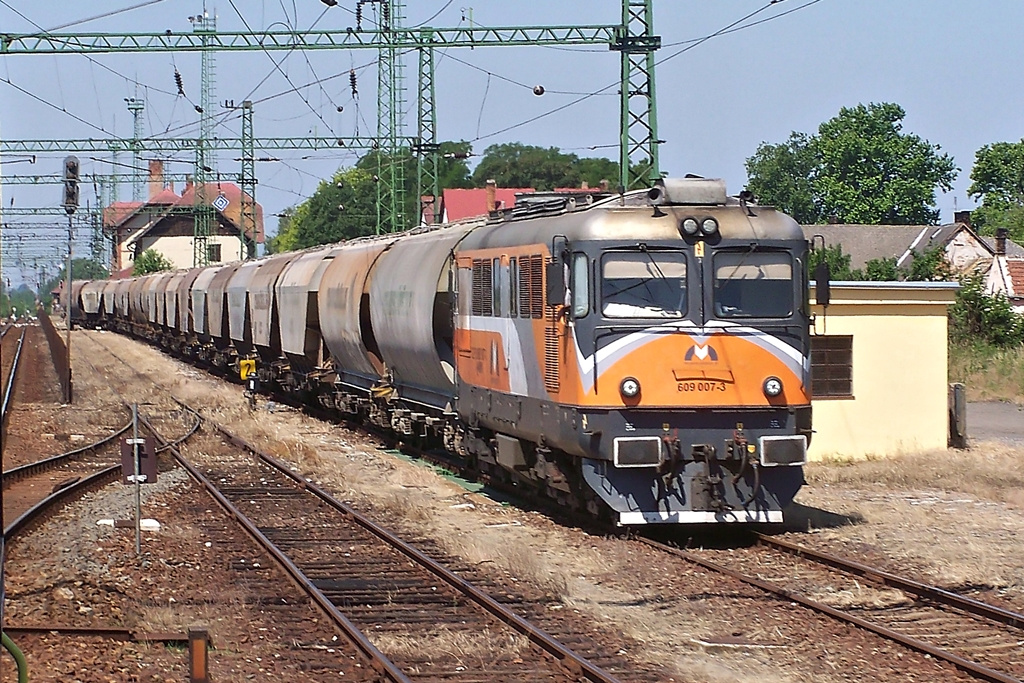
[492, 204]
[962, 217]
[188, 185]
[156, 177]
[1001, 234]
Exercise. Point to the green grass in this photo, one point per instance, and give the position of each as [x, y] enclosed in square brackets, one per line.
[990, 373]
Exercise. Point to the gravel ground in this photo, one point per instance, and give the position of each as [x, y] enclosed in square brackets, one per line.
[668, 616]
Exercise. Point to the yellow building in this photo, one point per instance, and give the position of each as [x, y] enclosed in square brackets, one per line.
[879, 369]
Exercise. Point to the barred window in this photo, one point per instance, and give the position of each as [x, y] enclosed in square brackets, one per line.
[213, 253]
[831, 365]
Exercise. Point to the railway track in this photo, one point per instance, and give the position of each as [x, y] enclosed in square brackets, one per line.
[984, 641]
[383, 584]
[9, 376]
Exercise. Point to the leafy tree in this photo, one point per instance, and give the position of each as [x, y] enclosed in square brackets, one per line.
[595, 170]
[452, 169]
[977, 316]
[860, 167]
[929, 266]
[342, 208]
[781, 175]
[838, 262]
[21, 298]
[881, 270]
[998, 179]
[150, 261]
[517, 165]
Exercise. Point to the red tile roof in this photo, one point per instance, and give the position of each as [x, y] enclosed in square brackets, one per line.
[1015, 269]
[233, 211]
[119, 212]
[459, 203]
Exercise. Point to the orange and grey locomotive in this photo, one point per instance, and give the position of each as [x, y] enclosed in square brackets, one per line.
[644, 357]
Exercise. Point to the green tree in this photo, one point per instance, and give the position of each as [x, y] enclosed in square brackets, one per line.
[931, 266]
[595, 170]
[977, 316]
[881, 270]
[343, 208]
[998, 179]
[517, 165]
[860, 167]
[150, 261]
[781, 175]
[838, 262]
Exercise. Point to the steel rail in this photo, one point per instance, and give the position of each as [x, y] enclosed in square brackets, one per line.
[376, 658]
[568, 659]
[111, 632]
[73, 489]
[921, 590]
[39, 465]
[973, 668]
[9, 389]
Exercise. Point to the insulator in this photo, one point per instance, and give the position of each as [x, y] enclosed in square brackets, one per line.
[178, 82]
[352, 82]
[359, 15]
[385, 15]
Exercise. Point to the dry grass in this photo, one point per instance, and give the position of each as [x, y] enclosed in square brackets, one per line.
[990, 374]
[468, 648]
[989, 470]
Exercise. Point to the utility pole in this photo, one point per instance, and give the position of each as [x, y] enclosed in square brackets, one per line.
[391, 155]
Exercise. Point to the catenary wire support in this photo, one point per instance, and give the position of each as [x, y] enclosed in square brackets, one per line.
[427, 151]
[638, 147]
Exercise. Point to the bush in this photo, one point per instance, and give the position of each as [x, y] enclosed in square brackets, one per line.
[979, 317]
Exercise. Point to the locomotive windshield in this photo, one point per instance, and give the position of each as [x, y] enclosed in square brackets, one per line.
[756, 284]
[643, 284]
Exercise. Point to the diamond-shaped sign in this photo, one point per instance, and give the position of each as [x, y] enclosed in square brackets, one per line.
[221, 202]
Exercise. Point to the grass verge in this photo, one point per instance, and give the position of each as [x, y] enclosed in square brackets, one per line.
[990, 373]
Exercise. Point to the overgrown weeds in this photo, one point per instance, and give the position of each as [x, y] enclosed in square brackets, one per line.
[989, 372]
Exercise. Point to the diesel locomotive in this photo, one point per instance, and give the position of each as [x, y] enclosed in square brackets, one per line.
[644, 357]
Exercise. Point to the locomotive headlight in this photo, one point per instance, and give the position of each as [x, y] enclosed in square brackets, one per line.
[690, 226]
[630, 387]
[772, 387]
[709, 226]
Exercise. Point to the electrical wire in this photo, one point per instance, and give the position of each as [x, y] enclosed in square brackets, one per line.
[731, 27]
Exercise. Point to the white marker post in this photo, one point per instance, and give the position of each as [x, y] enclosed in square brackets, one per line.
[135, 472]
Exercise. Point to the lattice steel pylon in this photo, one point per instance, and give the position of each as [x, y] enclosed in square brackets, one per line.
[205, 26]
[136, 107]
[427, 150]
[248, 185]
[638, 128]
[391, 154]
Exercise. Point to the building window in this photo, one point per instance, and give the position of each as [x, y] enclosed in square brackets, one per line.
[831, 365]
[213, 253]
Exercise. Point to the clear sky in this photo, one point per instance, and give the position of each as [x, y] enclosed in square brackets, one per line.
[954, 66]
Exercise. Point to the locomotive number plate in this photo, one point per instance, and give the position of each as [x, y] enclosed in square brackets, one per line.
[705, 385]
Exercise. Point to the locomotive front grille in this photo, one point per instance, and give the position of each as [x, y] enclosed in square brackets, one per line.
[783, 450]
[638, 451]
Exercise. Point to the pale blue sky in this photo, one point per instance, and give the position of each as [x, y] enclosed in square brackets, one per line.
[954, 67]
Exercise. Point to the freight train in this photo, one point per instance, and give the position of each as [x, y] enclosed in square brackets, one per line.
[642, 357]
